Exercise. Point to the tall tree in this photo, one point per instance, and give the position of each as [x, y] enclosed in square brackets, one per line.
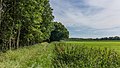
[47, 23]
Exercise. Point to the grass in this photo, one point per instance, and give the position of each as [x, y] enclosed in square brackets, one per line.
[64, 55]
[38, 56]
[75, 56]
[114, 45]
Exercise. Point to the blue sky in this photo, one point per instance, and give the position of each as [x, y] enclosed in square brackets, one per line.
[88, 18]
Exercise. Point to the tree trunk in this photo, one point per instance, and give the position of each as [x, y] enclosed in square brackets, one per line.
[14, 43]
[18, 37]
[0, 11]
[10, 43]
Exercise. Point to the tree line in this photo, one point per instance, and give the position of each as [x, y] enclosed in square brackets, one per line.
[94, 39]
[109, 38]
[27, 22]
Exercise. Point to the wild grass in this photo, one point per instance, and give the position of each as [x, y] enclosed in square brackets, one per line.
[38, 56]
[63, 55]
[75, 56]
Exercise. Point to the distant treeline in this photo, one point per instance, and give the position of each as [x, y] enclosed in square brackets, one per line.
[94, 39]
[27, 22]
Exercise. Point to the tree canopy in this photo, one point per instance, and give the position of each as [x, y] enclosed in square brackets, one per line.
[59, 32]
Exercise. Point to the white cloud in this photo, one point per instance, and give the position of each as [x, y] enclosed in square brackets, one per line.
[109, 17]
[96, 14]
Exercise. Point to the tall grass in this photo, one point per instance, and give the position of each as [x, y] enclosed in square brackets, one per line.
[38, 56]
[60, 55]
[75, 56]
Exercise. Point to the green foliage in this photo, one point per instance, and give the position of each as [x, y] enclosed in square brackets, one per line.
[59, 32]
[75, 56]
[25, 22]
[38, 25]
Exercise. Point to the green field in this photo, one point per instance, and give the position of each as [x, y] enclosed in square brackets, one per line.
[64, 55]
[104, 44]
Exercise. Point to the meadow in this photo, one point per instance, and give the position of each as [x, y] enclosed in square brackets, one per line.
[70, 54]
[114, 45]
